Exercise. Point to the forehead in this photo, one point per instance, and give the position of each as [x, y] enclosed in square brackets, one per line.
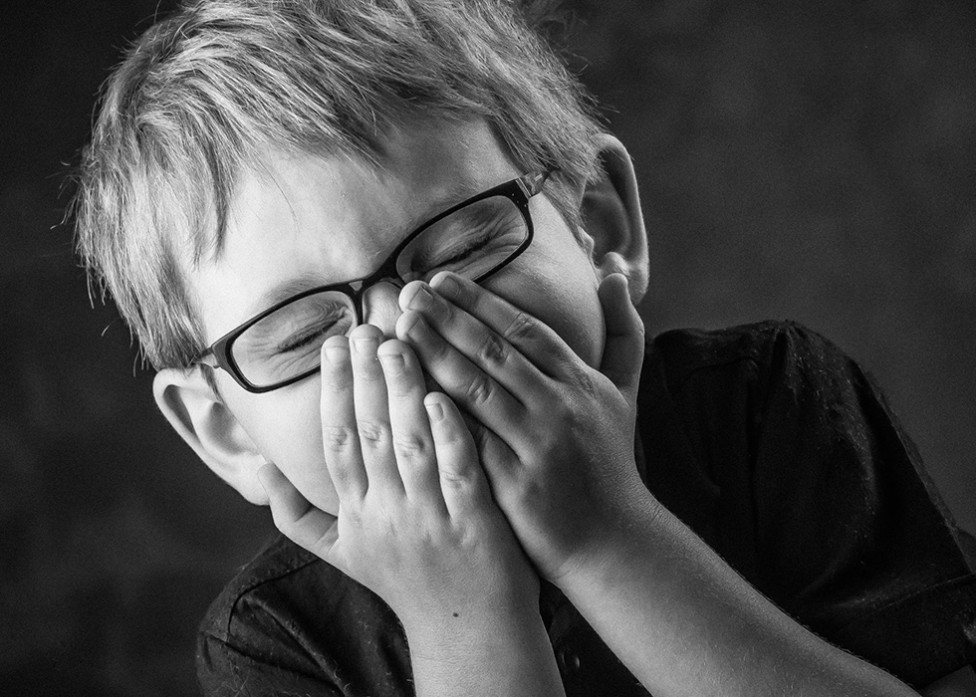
[299, 220]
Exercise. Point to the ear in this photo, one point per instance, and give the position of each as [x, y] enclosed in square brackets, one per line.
[210, 429]
[612, 218]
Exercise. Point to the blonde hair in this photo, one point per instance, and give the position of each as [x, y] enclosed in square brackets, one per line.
[203, 92]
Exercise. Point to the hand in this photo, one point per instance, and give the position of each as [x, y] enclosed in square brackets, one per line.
[416, 521]
[556, 436]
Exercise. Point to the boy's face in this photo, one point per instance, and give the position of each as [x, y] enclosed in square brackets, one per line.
[302, 221]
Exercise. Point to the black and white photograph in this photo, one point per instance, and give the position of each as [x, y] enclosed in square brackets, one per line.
[509, 348]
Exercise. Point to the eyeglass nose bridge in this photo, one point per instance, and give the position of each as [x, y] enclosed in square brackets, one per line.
[360, 288]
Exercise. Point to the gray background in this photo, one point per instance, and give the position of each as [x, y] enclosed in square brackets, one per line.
[811, 161]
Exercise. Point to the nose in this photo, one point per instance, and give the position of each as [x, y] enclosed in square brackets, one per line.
[380, 306]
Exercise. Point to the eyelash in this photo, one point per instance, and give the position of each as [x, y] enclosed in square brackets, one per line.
[467, 251]
[308, 337]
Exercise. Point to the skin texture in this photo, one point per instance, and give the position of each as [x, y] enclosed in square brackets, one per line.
[303, 221]
[556, 438]
[417, 525]
[562, 486]
[450, 521]
[416, 521]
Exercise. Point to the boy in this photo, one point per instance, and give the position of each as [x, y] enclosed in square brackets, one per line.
[386, 265]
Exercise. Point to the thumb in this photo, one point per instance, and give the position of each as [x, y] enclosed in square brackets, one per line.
[296, 518]
[623, 351]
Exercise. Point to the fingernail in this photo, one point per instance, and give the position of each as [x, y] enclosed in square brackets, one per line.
[392, 362]
[446, 284]
[364, 344]
[417, 328]
[421, 299]
[434, 410]
[336, 355]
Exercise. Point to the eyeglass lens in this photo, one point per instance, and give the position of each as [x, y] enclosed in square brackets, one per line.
[472, 242]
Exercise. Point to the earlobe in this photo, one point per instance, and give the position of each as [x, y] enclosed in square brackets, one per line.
[612, 218]
[210, 429]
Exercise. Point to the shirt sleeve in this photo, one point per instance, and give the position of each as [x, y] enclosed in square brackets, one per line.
[226, 671]
[852, 538]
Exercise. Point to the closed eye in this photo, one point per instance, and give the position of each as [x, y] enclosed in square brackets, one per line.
[470, 247]
[309, 336]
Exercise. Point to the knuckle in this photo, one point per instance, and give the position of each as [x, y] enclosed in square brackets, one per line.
[409, 447]
[480, 390]
[337, 438]
[371, 433]
[458, 480]
[583, 379]
[493, 351]
[521, 328]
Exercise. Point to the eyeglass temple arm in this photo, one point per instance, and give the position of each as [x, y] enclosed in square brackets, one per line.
[207, 358]
[531, 184]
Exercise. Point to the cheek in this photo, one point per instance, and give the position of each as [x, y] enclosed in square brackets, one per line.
[574, 313]
[561, 291]
[285, 426]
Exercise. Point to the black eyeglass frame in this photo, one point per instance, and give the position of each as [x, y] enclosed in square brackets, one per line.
[518, 190]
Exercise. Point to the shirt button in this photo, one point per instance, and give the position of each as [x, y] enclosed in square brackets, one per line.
[568, 661]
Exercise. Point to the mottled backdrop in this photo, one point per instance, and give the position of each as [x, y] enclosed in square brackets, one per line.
[799, 160]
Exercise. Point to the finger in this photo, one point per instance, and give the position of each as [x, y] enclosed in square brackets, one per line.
[413, 444]
[340, 437]
[297, 519]
[462, 482]
[473, 339]
[539, 343]
[372, 409]
[476, 391]
[500, 463]
[623, 352]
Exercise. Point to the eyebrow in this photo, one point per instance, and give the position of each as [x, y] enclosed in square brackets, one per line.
[456, 192]
[284, 291]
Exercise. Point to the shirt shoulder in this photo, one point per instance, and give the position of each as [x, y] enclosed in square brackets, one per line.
[700, 406]
[681, 354]
[782, 452]
[290, 622]
[278, 559]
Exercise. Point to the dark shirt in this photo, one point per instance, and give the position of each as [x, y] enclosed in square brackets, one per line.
[769, 443]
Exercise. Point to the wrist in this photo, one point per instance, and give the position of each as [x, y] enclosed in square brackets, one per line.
[501, 653]
[491, 611]
[632, 519]
[470, 631]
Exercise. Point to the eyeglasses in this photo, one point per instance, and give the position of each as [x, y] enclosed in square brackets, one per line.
[474, 239]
